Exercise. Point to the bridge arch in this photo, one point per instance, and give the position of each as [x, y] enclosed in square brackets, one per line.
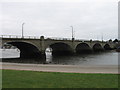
[83, 48]
[107, 47]
[60, 48]
[27, 50]
[97, 47]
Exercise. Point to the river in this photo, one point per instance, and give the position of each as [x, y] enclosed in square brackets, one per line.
[101, 58]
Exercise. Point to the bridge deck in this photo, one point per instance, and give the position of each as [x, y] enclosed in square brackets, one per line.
[17, 37]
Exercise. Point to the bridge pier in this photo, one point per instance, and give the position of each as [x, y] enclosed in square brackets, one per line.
[42, 45]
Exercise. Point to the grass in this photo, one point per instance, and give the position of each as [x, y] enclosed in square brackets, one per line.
[33, 79]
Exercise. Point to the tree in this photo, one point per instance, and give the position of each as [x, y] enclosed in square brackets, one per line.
[116, 40]
[110, 40]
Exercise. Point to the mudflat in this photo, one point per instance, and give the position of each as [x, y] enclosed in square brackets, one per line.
[61, 68]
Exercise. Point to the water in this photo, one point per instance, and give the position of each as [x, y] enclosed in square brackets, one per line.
[9, 53]
[103, 58]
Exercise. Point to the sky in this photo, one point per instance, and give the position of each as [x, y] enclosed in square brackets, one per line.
[91, 19]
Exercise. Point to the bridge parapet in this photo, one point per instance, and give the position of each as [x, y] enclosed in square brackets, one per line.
[46, 38]
[32, 37]
[19, 37]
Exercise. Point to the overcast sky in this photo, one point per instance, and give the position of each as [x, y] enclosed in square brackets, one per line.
[53, 18]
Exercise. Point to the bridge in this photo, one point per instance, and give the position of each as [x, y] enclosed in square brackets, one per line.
[36, 46]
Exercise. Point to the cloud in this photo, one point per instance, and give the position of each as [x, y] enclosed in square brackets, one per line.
[55, 18]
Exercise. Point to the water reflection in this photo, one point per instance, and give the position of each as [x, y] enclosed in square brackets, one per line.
[102, 58]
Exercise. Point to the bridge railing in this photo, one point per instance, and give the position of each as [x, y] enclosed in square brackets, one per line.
[10, 36]
[38, 37]
[33, 37]
[57, 38]
[18, 36]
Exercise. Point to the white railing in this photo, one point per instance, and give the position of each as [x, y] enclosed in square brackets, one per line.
[57, 38]
[32, 37]
[46, 38]
[17, 37]
[9, 36]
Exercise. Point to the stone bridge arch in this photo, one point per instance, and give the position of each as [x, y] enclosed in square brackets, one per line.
[83, 48]
[27, 49]
[97, 47]
[107, 47]
[60, 48]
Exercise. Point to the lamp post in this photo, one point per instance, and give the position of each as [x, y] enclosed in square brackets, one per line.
[72, 32]
[102, 37]
[22, 30]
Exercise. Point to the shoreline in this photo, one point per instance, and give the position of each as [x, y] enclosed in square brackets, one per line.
[113, 69]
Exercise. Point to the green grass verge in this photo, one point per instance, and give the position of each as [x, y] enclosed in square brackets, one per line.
[33, 79]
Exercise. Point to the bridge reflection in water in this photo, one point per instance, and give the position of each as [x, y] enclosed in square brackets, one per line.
[97, 58]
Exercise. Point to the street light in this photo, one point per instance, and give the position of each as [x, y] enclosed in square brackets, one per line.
[102, 37]
[22, 30]
[72, 31]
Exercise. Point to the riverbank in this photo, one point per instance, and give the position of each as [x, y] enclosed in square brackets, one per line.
[35, 79]
[62, 68]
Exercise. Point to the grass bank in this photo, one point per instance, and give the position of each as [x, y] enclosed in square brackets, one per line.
[33, 79]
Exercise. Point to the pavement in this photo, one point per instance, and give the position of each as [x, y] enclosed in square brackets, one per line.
[61, 68]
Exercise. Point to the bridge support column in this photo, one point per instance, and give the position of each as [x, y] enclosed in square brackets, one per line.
[73, 46]
[42, 45]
